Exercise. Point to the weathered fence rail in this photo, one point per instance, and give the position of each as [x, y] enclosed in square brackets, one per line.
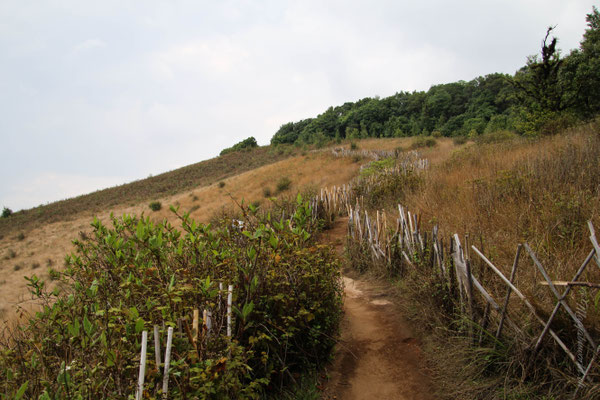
[399, 239]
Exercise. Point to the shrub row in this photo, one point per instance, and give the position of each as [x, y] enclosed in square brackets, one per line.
[123, 279]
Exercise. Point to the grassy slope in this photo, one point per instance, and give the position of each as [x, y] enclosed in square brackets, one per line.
[169, 183]
[47, 237]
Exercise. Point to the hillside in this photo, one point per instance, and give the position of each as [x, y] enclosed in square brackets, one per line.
[196, 175]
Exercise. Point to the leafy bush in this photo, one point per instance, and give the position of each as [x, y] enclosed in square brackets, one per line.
[377, 166]
[6, 212]
[245, 144]
[155, 205]
[221, 185]
[283, 184]
[458, 140]
[496, 137]
[86, 340]
[353, 146]
[423, 141]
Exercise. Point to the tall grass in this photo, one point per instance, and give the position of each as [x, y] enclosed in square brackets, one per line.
[504, 192]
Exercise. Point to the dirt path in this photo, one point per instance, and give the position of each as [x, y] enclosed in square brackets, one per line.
[377, 356]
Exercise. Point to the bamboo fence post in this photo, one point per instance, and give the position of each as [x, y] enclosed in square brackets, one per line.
[140, 387]
[470, 295]
[157, 348]
[531, 309]
[229, 301]
[195, 323]
[560, 298]
[484, 321]
[508, 291]
[564, 295]
[165, 382]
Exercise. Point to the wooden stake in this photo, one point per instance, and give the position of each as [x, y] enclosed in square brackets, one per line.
[140, 388]
[229, 301]
[157, 348]
[531, 309]
[508, 291]
[165, 383]
[195, 319]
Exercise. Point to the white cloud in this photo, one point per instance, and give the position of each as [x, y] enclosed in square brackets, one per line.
[126, 89]
[89, 45]
[52, 186]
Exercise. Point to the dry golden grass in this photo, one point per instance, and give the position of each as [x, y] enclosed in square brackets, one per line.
[537, 191]
[53, 240]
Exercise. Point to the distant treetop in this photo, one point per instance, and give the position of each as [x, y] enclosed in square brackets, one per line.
[543, 97]
[245, 144]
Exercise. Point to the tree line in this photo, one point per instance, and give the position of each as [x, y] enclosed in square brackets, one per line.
[546, 95]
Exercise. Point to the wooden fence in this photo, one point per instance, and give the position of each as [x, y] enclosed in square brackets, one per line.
[396, 240]
[213, 323]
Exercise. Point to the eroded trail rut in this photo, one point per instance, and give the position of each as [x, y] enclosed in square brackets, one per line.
[377, 356]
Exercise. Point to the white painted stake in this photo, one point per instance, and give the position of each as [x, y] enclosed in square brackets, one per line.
[165, 386]
[229, 300]
[206, 318]
[195, 324]
[140, 389]
[157, 348]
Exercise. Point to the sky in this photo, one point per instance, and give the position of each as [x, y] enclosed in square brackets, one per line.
[96, 94]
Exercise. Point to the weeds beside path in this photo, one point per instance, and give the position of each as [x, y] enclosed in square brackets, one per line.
[377, 356]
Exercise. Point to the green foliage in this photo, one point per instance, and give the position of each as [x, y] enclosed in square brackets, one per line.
[496, 137]
[458, 140]
[423, 141]
[267, 191]
[6, 212]
[283, 184]
[377, 166]
[221, 185]
[545, 88]
[155, 205]
[353, 146]
[85, 341]
[245, 144]
[448, 109]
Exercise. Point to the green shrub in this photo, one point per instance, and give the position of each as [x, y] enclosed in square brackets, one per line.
[137, 274]
[423, 141]
[267, 191]
[283, 184]
[245, 144]
[353, 146]
[6, 212]
[377, 166]
[221, 185]
[496, 137]
[155, 205]
[458, 140]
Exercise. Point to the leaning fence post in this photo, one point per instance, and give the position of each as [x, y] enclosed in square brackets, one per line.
[195, 323]
[157, 348]
[165, 385]
[508, 291]
[229, 300]
[140, 388]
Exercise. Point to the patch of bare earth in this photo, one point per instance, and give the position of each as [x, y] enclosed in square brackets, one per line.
[377, 356]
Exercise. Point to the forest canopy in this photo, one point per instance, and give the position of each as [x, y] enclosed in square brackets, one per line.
[544, 96]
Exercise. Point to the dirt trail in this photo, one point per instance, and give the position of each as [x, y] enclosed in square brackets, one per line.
[377, 356]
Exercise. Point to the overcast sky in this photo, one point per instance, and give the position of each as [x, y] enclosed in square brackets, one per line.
[94, 94]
